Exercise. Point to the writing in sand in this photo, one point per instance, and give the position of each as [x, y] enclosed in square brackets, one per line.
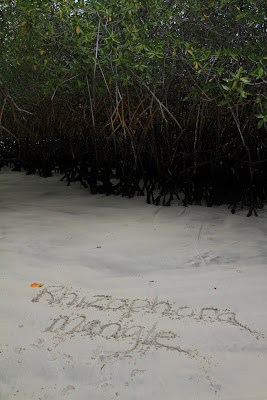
[116, 318]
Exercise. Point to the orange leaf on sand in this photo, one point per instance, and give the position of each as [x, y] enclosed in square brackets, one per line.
[37, 284]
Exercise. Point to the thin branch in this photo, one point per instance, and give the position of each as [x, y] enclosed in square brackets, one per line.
[90, 98]
[17, 107]
[8, 131]
[2, 110]
[164, 107]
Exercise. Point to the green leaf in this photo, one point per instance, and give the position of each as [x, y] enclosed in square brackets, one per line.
[260, 124]
[223, 102]
[234, 84]
[225, 87]
[260, 72]
[259, 116]
[245, 80]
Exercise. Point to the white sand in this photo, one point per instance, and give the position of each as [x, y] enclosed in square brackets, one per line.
[171, 306]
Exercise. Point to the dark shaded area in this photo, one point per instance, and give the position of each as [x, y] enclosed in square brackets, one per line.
[142, 151]
[225, 179]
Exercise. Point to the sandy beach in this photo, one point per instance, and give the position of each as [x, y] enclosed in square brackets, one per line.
[138, 302]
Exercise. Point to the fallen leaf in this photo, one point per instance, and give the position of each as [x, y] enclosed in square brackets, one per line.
[23, 23]
[190, 51]
[238, 270]
[98, 247]
[196, 65]
[109, 19]
[42, 52]
[174, 53]
[78, 30]
[102, 367]
[37, 284]
[209, 237]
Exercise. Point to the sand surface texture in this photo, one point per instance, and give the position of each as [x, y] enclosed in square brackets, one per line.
[139, 302]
